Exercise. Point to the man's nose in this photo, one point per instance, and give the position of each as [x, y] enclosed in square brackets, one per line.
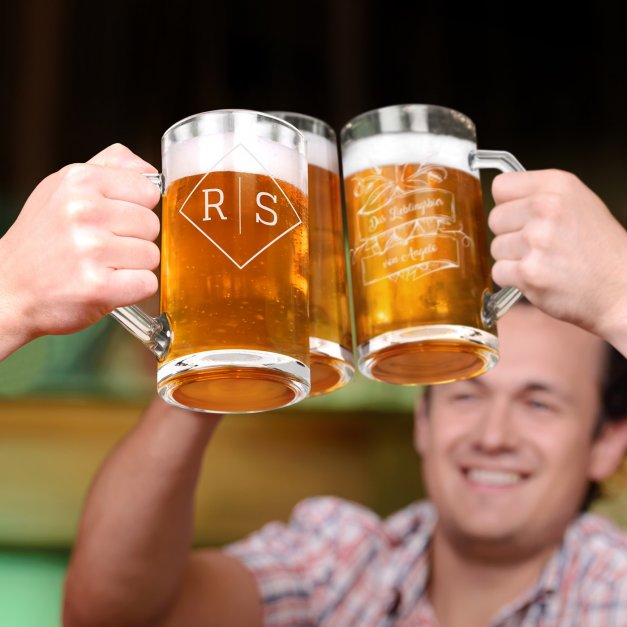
[495, 429]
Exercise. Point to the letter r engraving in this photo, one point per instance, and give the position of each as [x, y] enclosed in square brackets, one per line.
[216, 205]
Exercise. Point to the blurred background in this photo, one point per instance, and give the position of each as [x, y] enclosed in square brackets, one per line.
[78, 76]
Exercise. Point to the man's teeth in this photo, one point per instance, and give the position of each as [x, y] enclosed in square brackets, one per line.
[494, 477]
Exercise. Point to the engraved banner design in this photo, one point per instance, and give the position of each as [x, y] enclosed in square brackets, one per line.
[406, 224]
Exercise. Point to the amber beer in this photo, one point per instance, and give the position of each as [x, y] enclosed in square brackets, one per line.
[419, 258]
[331, 341]
[214, 303]
[234, 278]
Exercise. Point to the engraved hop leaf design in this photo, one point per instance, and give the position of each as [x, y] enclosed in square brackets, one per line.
[375, 189]
[378, 190]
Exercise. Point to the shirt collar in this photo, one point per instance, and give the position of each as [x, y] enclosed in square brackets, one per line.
[551, 578]
[409, 570]
[409, 533]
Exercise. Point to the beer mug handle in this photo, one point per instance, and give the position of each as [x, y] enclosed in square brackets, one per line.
[495, 305]
[153, 333]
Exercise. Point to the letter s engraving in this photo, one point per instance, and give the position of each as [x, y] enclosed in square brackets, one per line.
[274, 218]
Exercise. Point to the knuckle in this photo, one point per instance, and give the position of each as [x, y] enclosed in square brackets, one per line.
[497, 274]
[496, 248]
[532, 273]
[99, 286]
[153, 195]
[566, 178]
[153, 256]
[537, 236]
[116, 154]
[118, 148]
[547, 205]
[150, 284]
[494, 220]
[91, 246]
[76, 174]
[500, 185]
[500, 274]
[80, 211]
[561, 181]
[141, 284]
[92, 286]
[154, 226]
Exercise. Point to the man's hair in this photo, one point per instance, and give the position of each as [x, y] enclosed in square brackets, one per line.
[613, 387]
[613, 405]
[613, 395]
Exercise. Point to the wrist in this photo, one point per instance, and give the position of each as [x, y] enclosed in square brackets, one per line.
[11, 337]
[15, 328]
[178, 436]
[611, 325]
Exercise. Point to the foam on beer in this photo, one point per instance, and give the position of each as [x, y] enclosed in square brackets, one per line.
[322, 152]
[405, 148]
[234, 152]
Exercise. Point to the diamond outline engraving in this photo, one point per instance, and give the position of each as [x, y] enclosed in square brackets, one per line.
[240, 266]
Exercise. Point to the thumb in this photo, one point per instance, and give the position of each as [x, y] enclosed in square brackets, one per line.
[119, 156]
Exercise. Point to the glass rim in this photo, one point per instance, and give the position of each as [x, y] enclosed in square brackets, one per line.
[224, 120]
[412, 118]
[307, 124]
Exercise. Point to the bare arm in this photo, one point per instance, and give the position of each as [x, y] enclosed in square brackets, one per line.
[81, 246]
[557, 242]
[132, 563]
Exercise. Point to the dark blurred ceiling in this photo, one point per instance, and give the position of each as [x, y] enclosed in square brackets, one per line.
[81, 75]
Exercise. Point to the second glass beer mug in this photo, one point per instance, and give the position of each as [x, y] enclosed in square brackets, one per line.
[234, 332]
[422, 291]
[331, 340]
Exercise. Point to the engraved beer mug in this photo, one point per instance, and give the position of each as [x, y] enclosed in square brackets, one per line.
[424, 308]
[233, 335]
[331, 340]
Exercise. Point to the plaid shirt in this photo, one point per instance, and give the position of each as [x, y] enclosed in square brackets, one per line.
[337, 564]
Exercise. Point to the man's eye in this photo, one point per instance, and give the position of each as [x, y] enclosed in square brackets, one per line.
[464, 396]
[538, 404]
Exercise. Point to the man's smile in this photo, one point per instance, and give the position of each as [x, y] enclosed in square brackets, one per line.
[494, 477]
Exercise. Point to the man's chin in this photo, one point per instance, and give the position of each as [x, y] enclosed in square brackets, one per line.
[491, 544]
[483, 536]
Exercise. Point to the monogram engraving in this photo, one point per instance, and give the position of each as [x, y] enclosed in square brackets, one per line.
[240, 213]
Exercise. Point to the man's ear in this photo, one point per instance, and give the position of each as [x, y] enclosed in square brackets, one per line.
[421, 425]
[608, 450]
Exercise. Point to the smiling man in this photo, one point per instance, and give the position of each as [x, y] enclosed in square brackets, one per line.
[508, 460]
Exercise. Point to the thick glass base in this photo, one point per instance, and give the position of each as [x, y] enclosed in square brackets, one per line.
[233, 381]
[331, 366]
[428, 355]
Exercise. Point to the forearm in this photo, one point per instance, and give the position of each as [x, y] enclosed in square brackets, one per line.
[136, 530]
[611, 322]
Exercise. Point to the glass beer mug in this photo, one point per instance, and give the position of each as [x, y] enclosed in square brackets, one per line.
[233, 335]
[331, 340]
[424, 308]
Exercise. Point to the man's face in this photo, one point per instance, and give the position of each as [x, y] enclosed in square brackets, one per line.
[507, 456]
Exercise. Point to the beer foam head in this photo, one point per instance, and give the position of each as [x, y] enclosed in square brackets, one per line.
[322, 152]
[401, 148]
[234, 152]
